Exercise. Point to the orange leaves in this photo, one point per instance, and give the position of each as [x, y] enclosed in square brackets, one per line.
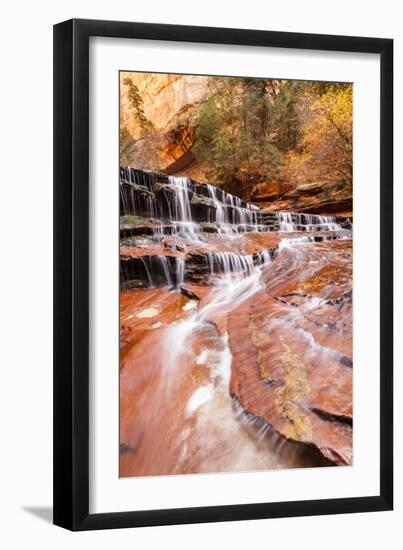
[324, 151]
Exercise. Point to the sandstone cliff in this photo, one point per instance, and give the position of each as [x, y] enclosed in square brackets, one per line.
[170, 103]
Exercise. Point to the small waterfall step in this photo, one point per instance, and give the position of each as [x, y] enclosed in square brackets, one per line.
[175, 229]
[178, 199]
[172, 269]
[174, 200]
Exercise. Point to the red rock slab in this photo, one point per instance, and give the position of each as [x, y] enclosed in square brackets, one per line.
[292, 366]
[306, 395]
[245, 244]
[152, 400]
[166, 307]
[172, 248]
[250, 243]
[140, 251]
[198, 292]
[322, 270]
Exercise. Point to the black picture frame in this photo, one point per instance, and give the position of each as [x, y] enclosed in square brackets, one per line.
[71, 274]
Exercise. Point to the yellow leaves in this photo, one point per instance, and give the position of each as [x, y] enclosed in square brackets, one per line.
[332, 114]
[296, 166]
[325, 146]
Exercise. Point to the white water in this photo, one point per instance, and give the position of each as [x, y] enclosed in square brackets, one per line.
[229, 216]
[181, 212]
[230, 265]
[180, 271]
[211, 432]
[215, 431]
[293, 221]
[227, 212]
[220, 437]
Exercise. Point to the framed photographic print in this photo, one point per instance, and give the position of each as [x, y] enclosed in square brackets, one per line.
[223, 274]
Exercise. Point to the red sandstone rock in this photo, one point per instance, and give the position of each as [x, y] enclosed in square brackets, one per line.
[292, 354]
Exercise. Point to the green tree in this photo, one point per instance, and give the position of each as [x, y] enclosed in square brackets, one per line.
[144, 146]
[286, 124]
[244, 127]
[136, 104]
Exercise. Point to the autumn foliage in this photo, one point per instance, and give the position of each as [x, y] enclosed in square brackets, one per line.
[251, 136]
[324, 151]
[253, 132]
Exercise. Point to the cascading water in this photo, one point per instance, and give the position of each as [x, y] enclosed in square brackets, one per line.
[230, 264]
[293, 221]
[179, 201]
[189, 212]
[220, 215]
[196, 256]
[180, 271]
[179, 206]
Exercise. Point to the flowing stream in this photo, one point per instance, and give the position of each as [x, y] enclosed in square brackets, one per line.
[191, 261]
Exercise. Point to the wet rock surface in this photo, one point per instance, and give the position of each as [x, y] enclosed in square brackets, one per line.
[236, 332]
[292, 359]
[314, 198]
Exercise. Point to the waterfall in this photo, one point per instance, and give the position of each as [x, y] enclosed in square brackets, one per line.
[153, 270]
[180, 271]
[178, 199]
[295, 221]
[165, 269]
[156, 206]
[215, 292]
[263, 257]
[220, 215]
[230, 292]
[181, 204]
[186, 205]
[229, 263]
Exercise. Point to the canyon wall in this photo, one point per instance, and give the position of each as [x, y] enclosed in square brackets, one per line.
[170, 103]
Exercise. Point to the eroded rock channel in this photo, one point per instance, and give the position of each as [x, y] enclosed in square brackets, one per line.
[235, 332]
